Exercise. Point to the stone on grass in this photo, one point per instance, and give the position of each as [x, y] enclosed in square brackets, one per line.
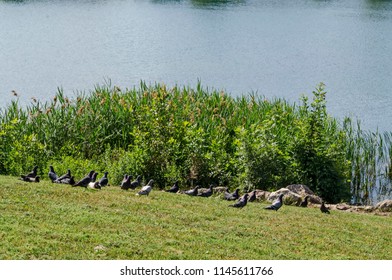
[302, 190]
[384, 206]
[290, 198]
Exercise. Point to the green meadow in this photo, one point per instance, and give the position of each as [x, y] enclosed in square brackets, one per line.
[54, 221]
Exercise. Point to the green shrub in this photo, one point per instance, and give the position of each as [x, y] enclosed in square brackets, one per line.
[197, 137]
[320, 151]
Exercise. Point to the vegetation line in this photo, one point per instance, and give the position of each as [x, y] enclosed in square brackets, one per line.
[196, 136]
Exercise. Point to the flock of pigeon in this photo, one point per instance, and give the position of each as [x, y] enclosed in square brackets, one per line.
[90, 181]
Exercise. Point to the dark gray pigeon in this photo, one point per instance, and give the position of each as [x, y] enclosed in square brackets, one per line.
[85, 181]
[33, 173]
[104, 181]
[208, 192]
[94, 177]
[324, 208]
[276, 204]
[192, 192]
[241, 202]
[174, 188]
[65, 176]
[126, 182]
[252, 197]
[52, 175]
[136, 183]
[29, 179]
[146, 189]
[231, 196]
[304, 203]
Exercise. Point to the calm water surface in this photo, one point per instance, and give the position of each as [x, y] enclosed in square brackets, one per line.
[281, 48]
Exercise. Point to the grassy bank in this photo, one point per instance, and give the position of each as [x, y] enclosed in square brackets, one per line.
[52, 221]
[197, 137]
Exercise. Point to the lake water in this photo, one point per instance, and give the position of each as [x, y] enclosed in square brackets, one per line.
[279, 48]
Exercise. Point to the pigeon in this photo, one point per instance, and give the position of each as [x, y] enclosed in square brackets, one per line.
[174, 188]
[33, 173]
[69, 181]
[94, 177]
[104, 180]
[226, 194]
[126, 182]
[323, 208]
[29, 179]
[304, 203]
[252, 197]
[276, 204]
[65, 176]
[146, 189]
[208, 192]
[94, 186]
[134, 184]
[84, 181]
[241, 202]
[231, 196]
[52, 175]
[192, 192]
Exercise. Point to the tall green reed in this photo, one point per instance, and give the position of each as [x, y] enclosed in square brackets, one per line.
[199, 136]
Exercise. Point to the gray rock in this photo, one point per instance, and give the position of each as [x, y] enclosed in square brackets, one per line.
[302, 190]
[290, 198]
[219, 190]
[262, 195]
[342, 206]
[384, 206]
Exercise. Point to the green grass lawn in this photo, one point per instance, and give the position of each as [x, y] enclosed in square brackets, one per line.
[55, 221]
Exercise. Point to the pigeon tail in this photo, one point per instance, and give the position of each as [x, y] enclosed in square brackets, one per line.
[271, 207]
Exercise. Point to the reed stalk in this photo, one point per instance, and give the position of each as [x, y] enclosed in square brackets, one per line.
[197, 135]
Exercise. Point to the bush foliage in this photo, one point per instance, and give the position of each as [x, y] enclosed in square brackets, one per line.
[191, 135]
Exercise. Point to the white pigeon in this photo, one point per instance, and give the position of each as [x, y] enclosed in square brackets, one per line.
[94, 186]
[146, 189]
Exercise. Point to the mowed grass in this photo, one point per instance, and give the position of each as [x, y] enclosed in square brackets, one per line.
[54, 221]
